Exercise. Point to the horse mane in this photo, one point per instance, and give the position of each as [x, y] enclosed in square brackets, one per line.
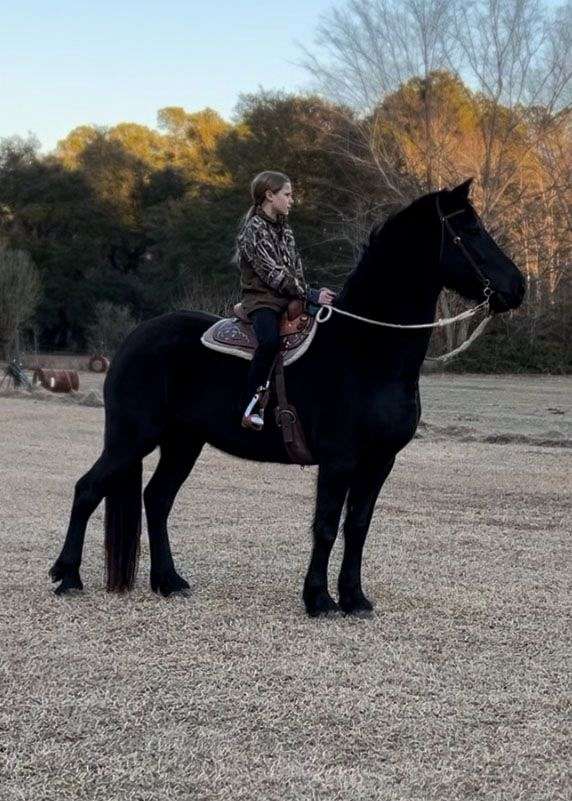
[375, 247]
[391, 219]
[378, 232]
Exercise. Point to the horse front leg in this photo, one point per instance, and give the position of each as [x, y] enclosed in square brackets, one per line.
[364, 489]
[332, 489]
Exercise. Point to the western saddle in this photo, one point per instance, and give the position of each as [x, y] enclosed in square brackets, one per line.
[235, 336]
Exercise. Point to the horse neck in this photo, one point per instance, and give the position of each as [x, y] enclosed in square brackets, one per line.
[397, 286]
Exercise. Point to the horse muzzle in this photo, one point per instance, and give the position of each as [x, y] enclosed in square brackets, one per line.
[506, 299]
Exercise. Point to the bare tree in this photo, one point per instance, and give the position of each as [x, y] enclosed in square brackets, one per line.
[516, 56]
[366, 51]
[200, 294]
[511, 53]
[442, 90]
[19, 295]
[111, 325]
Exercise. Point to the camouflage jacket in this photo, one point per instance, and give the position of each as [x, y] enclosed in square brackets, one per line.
[270, 266]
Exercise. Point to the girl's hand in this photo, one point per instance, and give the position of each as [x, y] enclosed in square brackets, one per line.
[326, 297]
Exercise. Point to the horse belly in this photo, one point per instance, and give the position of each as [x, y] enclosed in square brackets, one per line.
[216, 418]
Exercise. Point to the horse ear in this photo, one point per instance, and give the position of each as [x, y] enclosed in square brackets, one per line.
[463, 189]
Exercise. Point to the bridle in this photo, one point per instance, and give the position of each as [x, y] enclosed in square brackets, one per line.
[326, 311]
[458, 242]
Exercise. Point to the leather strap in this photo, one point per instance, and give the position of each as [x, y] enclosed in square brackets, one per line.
[288, 421]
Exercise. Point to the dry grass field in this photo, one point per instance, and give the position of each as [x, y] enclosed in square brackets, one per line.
[454, 689]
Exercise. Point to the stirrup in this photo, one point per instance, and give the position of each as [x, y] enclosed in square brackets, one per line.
[251, 419]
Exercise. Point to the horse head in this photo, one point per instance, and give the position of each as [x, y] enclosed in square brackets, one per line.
[436, 241]
[470, 261]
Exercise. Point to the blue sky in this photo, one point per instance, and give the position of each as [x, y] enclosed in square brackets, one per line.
[65, 63]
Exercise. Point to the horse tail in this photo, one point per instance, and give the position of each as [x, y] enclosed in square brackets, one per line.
[123, 528]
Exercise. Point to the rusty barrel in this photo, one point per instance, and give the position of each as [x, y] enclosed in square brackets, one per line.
[57, 380]
[99, 364]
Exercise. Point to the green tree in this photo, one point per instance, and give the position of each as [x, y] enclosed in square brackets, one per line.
[191, 140]
[19, 294]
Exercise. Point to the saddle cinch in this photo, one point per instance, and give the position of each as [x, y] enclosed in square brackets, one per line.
[235, 335]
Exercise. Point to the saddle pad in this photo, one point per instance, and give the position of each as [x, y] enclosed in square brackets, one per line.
[232, 336]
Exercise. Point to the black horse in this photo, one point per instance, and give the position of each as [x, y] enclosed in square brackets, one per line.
[356, 391]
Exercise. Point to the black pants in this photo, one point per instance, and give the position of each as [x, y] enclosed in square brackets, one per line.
[266, 324]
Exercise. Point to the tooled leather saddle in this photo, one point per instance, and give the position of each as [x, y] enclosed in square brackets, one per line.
[235, 335]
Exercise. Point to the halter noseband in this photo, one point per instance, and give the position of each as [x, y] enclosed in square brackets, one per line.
[456, 239]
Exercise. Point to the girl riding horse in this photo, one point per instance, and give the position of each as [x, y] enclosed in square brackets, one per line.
[271, 276]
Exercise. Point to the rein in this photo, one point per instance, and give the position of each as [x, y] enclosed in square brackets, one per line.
[326, 311]
[440, 323]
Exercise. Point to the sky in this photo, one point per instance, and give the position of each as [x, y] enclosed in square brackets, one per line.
[66, 63]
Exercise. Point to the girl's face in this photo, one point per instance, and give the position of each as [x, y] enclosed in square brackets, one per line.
[281, 201]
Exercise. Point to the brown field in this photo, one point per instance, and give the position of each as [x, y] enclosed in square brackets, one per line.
[454, 689]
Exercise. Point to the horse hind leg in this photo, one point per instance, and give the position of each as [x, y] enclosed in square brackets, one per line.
[178, 457]
[88, 494]
[113, 468]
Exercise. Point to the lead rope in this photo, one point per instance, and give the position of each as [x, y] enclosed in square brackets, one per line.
[476, 333]
[440, 323]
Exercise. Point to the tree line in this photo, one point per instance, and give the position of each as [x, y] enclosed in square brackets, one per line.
[133, 221]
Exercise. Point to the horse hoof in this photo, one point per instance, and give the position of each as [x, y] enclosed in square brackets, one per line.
[171, 585]
[321, 605]
[69, 577]
[356, 606]
[182, 592]
[70, 586]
